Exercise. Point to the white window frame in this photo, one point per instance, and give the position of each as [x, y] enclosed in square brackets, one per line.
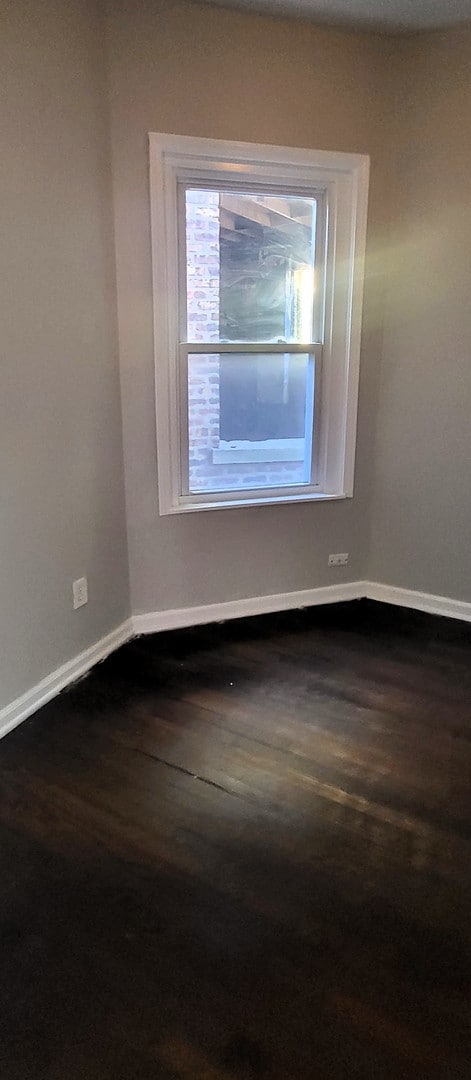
[342, 179]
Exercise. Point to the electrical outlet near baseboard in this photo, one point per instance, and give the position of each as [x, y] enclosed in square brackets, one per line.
[341, 559]
[80, 592]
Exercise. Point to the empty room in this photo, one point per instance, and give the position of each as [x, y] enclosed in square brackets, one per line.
[235, 540]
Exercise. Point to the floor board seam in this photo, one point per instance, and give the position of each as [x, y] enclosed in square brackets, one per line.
[186, 772]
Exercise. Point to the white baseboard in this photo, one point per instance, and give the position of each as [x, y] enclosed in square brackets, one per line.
[153, 622]
[19, 710]
[420, 601]
[175, 618]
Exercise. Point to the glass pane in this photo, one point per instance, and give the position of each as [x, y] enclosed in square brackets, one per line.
[249, 266]
[250, 420]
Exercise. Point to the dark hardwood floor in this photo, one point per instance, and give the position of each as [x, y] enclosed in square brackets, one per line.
[244, 851]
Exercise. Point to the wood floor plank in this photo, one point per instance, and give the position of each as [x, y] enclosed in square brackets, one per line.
[242, 851]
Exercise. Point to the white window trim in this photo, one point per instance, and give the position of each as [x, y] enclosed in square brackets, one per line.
[344, 178]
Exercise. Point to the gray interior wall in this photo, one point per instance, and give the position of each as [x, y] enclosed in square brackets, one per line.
[177, 68]
[62, 502]
[421, 506]
[184, 69]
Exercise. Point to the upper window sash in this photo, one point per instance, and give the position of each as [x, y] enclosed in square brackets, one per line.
[275, 193]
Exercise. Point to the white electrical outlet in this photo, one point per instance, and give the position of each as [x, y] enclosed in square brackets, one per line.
[341, 559]
[80, 592]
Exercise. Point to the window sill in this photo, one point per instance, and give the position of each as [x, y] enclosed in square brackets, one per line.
[231, 504]
[266, 451]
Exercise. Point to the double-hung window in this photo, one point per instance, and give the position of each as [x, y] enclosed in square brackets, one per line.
[258, 270]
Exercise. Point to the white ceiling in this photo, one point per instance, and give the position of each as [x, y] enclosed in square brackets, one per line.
[396, 16]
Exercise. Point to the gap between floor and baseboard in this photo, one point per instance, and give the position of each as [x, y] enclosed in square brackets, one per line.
[22, 707]
[418, 601]
[154, 622]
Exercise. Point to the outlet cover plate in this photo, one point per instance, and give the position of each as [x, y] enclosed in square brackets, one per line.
[80, 592]
[340, 559]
